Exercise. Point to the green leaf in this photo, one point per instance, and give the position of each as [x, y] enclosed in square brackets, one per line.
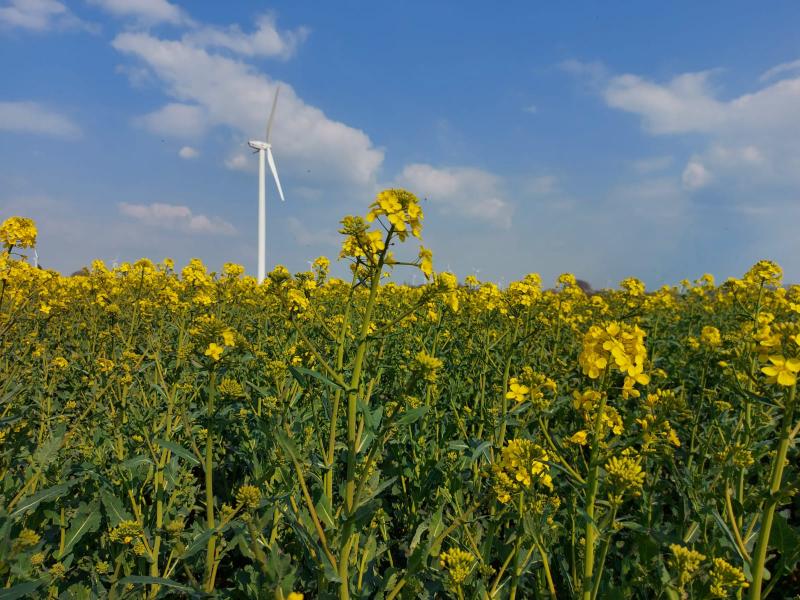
[787, 543]
[197, 544]
[45, 495]
[178, 450]
[21, 590]
[324, 511]
[287, 444]
[115, 511]
[436, 527]
[145, 580]
[412, 416]
[136, 461]
[47, 451]
[87, 520]
[300, 374]
[481, 450]
[383, 485]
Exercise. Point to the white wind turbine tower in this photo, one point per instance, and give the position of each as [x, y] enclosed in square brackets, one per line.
[265, 149]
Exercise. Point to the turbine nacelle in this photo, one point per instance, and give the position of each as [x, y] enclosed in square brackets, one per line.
[256, 145]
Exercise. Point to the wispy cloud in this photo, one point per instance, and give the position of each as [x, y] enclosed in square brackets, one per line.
[233, 94]
[40, 16]
[187, 152]
[460, 191]
[750, 136]
[150, 12]
[176, 217]
[36, 118]
[265, 40]
[787, 67]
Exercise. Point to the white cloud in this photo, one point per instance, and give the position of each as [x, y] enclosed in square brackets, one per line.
[685, 104]
[695, 175]
[32, 117]
[186, 121]
[780, 69]
[688, 104]
[39, 15]
[235, 95]
[176, 217]
[462, 191]
[531, 109]
[150, 12]
[751, 138]
[266, 40]
[137, 76]
[187, 152]
[240, 162]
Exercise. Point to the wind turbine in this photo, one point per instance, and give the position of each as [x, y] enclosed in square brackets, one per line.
[265, 150]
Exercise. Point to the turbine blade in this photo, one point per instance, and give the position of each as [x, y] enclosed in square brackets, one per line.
[272, 113]
[274, 170]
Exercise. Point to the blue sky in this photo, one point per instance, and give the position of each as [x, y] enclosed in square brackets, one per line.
[655, 140]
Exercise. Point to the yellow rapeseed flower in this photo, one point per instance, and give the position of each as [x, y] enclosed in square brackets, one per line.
[214, 351]
[726, 579]
[19, 232]
[625, 473]
[517, 391]
[782, 371]
[686, 561]
[458, 563]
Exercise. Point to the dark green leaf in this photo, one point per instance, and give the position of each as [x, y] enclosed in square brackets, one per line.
[45, 495]
[178, 450]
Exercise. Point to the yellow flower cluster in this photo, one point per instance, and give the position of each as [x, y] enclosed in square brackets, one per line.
[458, 563]
[359, 241]
[522, 463]
[401, 209]
[618, 346]
[686, 562]
[625, 474]
[230, 388]
[531, 386]
[726, 579]
[26, 539]
[105, 365]
[126, 532]
[59, 362]
[710, 336]
[427, 366]
[764, 272]
[19, 232]
[426, 262]
[297, 301]
[248, 496]
[447, 285]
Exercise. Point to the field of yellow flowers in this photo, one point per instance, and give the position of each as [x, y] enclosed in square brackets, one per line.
[195, 434]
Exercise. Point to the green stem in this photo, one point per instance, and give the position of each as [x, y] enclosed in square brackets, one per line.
[352, 410]
[590, 533]
[760, 553]
[209, 477]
